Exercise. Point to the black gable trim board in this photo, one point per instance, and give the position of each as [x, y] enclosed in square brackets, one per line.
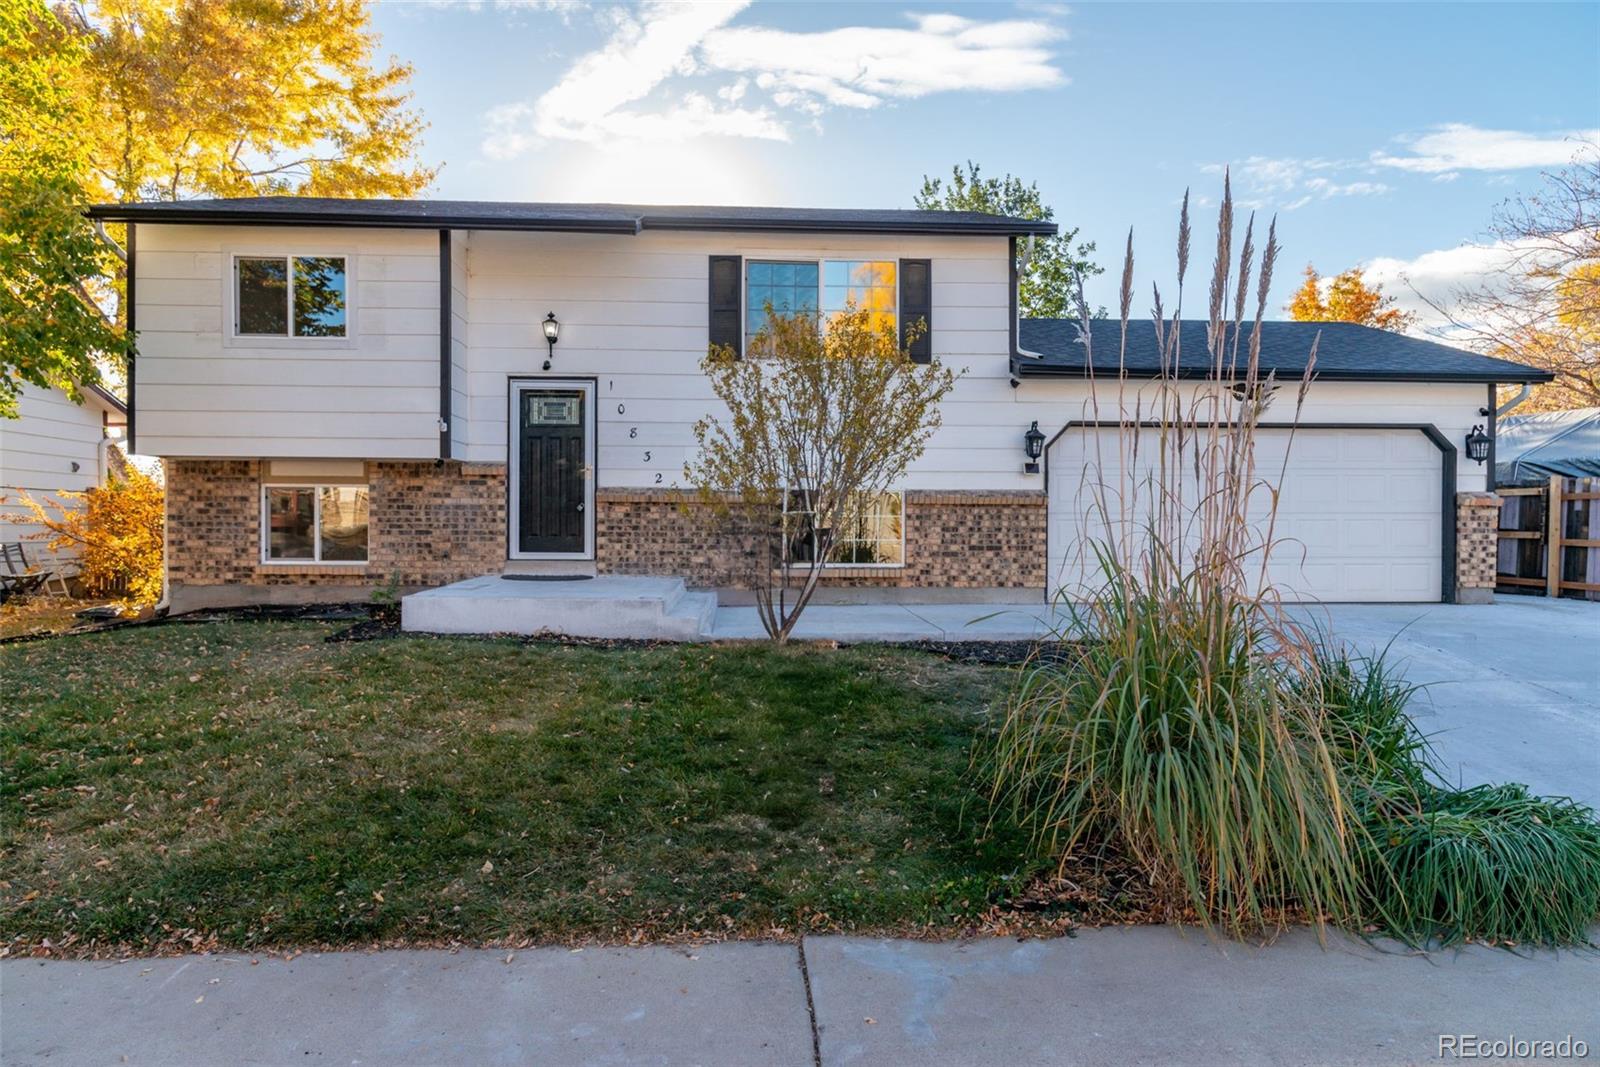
[916, 304]
[445, 290]
[725, 304]
[1345, 352]
[575, 218]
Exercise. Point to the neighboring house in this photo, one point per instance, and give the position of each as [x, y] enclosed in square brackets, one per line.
[54, 445]
[347, 392]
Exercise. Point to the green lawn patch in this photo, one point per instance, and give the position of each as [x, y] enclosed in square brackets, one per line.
[247, 784]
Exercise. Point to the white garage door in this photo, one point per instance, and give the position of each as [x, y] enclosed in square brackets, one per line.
[1358, 512]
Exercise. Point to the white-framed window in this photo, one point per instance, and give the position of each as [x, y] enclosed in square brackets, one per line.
[290, 296]
[314, 523]
[819, 286]
[872, 533]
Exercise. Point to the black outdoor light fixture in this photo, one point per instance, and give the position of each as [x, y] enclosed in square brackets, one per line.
[1478, 444]
[1033, 447]
[552, 334]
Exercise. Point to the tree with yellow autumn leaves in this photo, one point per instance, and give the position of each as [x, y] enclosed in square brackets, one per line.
[165, 100]
[1347, 298]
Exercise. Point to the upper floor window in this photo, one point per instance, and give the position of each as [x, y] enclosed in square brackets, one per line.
[811, 286]
[291, 296]
[791, 289]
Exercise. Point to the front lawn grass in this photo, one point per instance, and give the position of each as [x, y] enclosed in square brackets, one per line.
[245, 784]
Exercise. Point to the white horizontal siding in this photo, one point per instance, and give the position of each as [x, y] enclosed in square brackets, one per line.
[1451, 408]
[37, 451]
[204, 392]
[634, 317]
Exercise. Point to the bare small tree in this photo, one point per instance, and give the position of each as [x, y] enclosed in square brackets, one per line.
[1543, 308]
[823, 417]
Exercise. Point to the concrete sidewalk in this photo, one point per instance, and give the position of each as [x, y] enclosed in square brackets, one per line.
[1141, 995]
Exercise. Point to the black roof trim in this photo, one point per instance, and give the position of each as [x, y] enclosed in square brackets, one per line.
[1346, 352]
[108, 398]
[579, 218]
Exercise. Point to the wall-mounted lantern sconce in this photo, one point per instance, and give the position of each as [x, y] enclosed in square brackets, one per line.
[1478, 444]
[1033, 447]
[552, 334]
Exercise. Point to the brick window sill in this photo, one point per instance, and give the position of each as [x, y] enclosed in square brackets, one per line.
[858, 570]
[352, 570]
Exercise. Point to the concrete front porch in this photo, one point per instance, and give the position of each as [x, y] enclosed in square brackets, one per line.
[575, 605]
[664, 609]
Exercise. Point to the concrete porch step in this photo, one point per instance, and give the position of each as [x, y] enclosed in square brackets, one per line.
[611, 606]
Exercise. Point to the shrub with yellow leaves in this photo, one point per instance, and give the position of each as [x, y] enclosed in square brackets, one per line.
[116, 531]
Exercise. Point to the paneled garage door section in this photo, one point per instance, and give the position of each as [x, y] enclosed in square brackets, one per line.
[1358, 514]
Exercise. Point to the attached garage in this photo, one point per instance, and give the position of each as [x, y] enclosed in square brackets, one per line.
[1361, 510]
[1370, 478]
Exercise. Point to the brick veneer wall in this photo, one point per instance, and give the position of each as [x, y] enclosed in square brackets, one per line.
[1477, 546]
[962, 540]
[433, 524]
[430, 524]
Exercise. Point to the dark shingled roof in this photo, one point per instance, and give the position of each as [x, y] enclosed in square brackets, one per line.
[1346, 352]
[582, 218]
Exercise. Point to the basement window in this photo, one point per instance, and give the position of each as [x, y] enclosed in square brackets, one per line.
[289, 296]
[872, 533]
[314, 523]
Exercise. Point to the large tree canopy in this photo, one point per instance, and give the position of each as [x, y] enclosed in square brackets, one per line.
[1047, 282]
[51, 329]
[245, 97]
[163, 100]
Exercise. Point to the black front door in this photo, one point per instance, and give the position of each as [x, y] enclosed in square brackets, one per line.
[550, 484]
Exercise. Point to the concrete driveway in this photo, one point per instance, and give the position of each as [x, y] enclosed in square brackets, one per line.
[1512, 688]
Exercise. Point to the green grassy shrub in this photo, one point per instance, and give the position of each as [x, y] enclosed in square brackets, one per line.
[1364, 721]
[1491, 863]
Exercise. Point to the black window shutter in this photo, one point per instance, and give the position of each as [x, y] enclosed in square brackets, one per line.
[727, 327]
[916, 303]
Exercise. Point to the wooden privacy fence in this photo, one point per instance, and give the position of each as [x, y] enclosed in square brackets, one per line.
[1550, 538]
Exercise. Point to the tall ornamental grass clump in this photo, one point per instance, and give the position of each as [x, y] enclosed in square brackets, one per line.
[1188, 734]
[1253, 771]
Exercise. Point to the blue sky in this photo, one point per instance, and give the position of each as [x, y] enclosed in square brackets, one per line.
[1380, 135]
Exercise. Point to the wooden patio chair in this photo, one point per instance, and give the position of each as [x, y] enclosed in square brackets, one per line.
[20, 578]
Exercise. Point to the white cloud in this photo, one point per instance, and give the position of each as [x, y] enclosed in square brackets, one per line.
[861, 67]
[675, 71]
[593, 100]
[1325, 188]
[1291, 183]
[1457, 146]
[1438, 277]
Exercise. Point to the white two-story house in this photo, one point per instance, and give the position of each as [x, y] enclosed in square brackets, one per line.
[347, 393]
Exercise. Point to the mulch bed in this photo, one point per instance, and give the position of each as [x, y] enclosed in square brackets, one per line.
[381, 622]
[381, 627]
